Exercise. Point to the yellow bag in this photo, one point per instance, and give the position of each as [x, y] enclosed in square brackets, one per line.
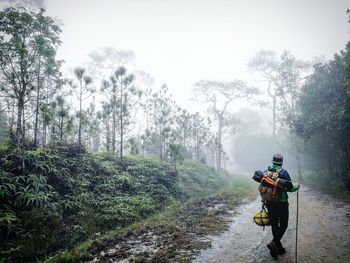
[261, 218]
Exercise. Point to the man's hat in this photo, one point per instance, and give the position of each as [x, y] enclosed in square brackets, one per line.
[277, 159]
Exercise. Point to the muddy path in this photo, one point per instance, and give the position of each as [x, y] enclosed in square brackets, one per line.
[324, 233]
[176, 237]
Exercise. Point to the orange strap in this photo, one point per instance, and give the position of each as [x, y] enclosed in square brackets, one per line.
[275, 188]
[269, 181]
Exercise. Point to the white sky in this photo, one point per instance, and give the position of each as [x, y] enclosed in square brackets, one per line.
[179, 42]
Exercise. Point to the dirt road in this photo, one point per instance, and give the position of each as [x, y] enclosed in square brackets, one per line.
[324, 233]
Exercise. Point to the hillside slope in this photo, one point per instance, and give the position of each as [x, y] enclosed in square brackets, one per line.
[66, 195]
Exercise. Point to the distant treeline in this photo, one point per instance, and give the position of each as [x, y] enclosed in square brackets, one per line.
[130, 119]
[310, 101]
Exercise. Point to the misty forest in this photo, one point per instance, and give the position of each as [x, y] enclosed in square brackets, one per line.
[103, 160]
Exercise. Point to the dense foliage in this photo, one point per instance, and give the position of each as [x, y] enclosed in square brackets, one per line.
[67, 194]
[323, 119]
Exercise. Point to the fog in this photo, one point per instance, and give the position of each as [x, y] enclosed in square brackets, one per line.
[181, 42]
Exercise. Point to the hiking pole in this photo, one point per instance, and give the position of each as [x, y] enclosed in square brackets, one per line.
[297, 219]
[296, 229]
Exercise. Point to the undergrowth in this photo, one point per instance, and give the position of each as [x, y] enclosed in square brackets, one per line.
[329, 184]
[180, 221]
[65, 195]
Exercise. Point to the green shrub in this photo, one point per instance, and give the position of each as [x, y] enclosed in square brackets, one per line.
[66, 195]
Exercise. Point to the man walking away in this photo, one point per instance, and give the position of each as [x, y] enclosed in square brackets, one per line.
[279, 211]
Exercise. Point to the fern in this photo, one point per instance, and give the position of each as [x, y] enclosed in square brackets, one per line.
[70, 203]
[8, 220]
[36, 193]
[7, 185]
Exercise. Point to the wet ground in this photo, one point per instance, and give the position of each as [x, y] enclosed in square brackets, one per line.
[323, 236]
[176, 238]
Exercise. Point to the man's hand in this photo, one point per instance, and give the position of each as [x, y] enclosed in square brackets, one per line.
[298, 185]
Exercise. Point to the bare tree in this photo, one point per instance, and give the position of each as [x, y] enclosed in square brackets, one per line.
[283, 76]
[220, 94]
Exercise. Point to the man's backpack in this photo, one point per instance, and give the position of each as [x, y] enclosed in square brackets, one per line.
[268, 188]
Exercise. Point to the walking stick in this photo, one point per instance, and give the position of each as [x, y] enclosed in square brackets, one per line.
[297, 219]
[296, 229]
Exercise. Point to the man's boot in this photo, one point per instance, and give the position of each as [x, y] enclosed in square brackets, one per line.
[280, 249]
[273, 249]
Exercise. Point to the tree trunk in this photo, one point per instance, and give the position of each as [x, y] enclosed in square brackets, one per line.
[23, 122]
[108, 138]
[220, 121]
[19, 132]
[196, 145]
[80, 113]
[37, 107]
[21, 100]
[113, 131]
[160, 144]
[12, 116]
[44, 121]
[214, 159]
[184, 139]
[53, 132]
[61, 129]
[121, 119]
[44, 133]
[274, 116]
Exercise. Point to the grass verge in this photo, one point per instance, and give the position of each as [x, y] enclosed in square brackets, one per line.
[323, 182]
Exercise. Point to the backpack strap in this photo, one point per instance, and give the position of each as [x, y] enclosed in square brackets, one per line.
[279, 170]
[275, 187]
[263, 209]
